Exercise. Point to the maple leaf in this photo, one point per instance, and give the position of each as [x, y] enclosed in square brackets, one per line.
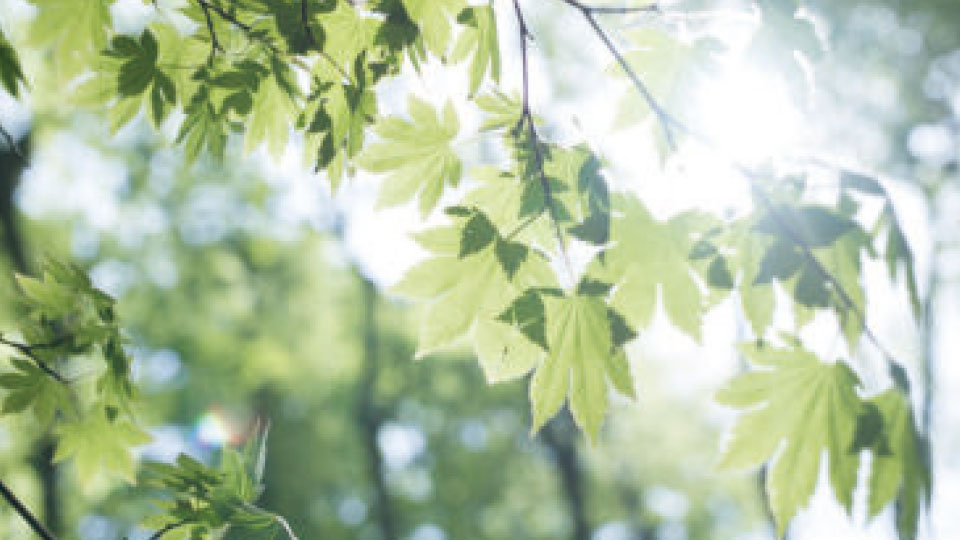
[471, 279]
[416, 155]
[806, 405]
[648, 256]
[96, 441]
[478, 41]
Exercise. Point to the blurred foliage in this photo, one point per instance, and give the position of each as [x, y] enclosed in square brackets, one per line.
[235, 313]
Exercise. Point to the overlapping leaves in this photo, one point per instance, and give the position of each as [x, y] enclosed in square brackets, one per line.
[69, 323]
[807, 405]
[201, 501]
[797, 409]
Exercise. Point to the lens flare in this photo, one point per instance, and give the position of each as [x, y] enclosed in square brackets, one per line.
[750, 114]
[213, 429]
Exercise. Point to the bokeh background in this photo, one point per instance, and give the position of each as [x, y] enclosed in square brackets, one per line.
[251, 293]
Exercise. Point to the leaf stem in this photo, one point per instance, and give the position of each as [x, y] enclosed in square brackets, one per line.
[214, 42]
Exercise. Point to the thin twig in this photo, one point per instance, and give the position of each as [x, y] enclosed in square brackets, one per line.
[225, 15]
[611, 10]
[167, 528]
[523, 225]
[28, 351]
[526, 121]
[25, 513]
[214, 42]
[667, 121]
[12, 143]
[665, 118]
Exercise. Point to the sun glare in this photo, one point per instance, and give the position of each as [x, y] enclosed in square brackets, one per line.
[750, 114]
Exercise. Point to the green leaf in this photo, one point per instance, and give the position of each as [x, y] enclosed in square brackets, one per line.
[902, 472]
[581, 356]
[416, 155]
[75, 31]
[804, 404]
[718, 275]
[851, 181]
[477, 234]
[815, 226]
[96, 442]
[478, 41]
[500, 111]
[433, 18]
[11, 75]
[29, 387]
[272, 109]
[781, 261]
[648, 256]
[467, 294]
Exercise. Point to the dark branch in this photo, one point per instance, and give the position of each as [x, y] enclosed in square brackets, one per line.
[214, 42]
[167, 528]
[665, 118]
[25, 513]
[29, 351]
[305, 18]
[649, 8]
[12, 144]
[369, 413]
[224, 14]
[668, 121]
[527, 122]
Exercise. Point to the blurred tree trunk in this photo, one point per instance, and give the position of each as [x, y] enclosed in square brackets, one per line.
[368, 411]
[560, 437]
[12, 165]
[631, 496]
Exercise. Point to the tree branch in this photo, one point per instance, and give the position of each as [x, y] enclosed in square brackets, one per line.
[28, 351]
[668, 121]
[214, 42]
[665, 118]
[526, 121]
[167, 528]
[224, 14]
[557, 436]
[649, 8]
[368, 413]
[25, 513]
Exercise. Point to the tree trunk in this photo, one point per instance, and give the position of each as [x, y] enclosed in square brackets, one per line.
[11, 167]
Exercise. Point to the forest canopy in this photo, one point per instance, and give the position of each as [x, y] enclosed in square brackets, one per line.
[411, 268]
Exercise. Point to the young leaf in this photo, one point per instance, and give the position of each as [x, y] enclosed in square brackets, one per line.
[901, 472]
[468, 293]
[10, 73]
[96, 441]
[581, 355]
[433, 18]
[809, 406]
[416, 154]
[647, 256]
[478, 40]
